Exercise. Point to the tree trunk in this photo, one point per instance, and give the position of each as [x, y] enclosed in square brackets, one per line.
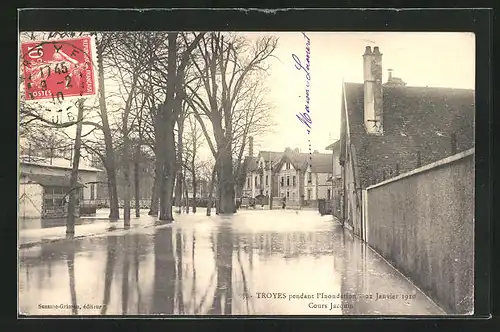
[167, 146]
[217, 192]
[211, 189]
[110, 189]
[70, 221]
[167, 188]
[108, 141]
[136, 181]
[128, 186]
[155, 195]
[194, 188]
[179, 180]
[159, 162]
[186, 194]
[226, 181]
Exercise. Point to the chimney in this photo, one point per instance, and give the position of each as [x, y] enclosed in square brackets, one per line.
[372, 74]
[250, 146]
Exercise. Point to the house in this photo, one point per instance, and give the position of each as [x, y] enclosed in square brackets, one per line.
[335, 198]
[259, 173]
[392, 128]
[44, 184]
[303, 177]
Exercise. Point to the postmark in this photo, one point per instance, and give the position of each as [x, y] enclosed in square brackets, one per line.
[58, 69]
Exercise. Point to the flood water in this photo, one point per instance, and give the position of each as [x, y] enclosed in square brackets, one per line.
[253, 263]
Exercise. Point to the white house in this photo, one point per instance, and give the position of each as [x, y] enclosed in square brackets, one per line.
[303, 177]
[44, 184]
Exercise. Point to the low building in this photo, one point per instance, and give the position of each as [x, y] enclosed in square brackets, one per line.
[335, 195]
[44, 186]
[392, 128]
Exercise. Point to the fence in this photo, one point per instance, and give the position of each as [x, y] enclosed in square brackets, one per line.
[423, 223]
[146, 203]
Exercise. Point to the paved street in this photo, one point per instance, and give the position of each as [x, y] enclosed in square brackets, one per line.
[255, 262]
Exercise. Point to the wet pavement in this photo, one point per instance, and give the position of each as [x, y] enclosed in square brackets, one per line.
[253, 263]
[35, 231]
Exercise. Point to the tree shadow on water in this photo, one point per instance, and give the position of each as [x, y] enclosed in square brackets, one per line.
[108, 274]
[70, 259]
[164, 273]
[223, 250]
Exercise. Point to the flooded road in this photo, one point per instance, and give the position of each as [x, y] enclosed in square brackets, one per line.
[253, 263]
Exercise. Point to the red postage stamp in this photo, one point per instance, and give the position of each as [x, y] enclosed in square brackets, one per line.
[57, 69]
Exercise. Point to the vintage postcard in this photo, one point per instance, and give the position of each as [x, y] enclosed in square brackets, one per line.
[246, 173]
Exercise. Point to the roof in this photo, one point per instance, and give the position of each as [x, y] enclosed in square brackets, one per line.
[275, 156]
[50, 180]
[320, 162]
[333, 146]
[415, 120]
[409, 109]
[250, 164]
[55, 163]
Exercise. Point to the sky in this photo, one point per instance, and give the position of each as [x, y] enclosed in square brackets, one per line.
[420, 59]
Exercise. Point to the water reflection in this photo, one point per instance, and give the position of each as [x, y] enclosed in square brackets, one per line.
[71, 273]
[213, 267]
[125, 273]
[164, 272]
[108, 274]
[223, 251]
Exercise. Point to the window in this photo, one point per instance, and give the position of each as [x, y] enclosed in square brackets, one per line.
[267, 192]
[80, 193]
[48, 202]
[287, 165]
[287, 194]
[248, 183]
[309, 177]
[255, 180]
[287, 181]
[282, 181]
[92, 191]
[309, 193]
[294, 181]
[267, 180]
[328, 194]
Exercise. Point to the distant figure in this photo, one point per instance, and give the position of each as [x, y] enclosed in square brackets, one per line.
[284, 203]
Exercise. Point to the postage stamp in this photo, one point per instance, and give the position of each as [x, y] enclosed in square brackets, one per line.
[58, 69]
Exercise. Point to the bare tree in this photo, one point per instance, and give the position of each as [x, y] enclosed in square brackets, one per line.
[70, 222]
[166, 117]
[103, 46]
[192, 143]
[132, 52]
[224, 66]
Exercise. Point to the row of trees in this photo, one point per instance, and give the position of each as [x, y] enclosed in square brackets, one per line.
[169, 94]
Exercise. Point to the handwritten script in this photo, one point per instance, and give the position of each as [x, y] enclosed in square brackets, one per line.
[304, 117]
